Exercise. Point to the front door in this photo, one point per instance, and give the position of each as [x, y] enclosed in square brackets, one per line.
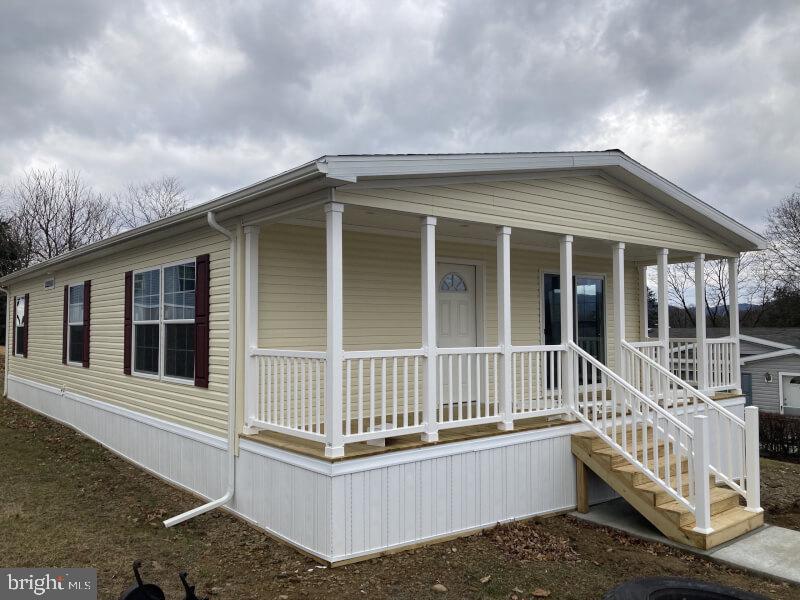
[589, 319]
[456, 302]
[457, 327]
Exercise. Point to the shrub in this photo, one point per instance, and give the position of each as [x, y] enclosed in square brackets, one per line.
[779, 436]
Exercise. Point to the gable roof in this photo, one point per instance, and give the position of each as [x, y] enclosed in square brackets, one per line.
[335, 170]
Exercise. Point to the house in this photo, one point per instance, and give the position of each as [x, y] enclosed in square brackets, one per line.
[364, 353]
[770, 366]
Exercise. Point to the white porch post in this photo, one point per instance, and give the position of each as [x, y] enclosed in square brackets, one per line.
[429, 341]
[251, 391]
[566, 305]
[618, 273]
[701, 473]
[644, 317]
[700, 321]
[733, 315]
[504, 324]
[334, 444]
[752, 465]
[663, 307]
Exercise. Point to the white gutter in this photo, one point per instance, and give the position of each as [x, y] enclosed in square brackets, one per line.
[232, 345]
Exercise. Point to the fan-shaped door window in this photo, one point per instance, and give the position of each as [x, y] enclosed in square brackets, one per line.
[452, 282]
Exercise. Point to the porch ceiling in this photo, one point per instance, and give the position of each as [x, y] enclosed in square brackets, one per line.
[405, 224]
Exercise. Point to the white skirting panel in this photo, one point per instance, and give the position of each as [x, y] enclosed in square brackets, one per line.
[398, 505]
[188, 458]
[343, 510]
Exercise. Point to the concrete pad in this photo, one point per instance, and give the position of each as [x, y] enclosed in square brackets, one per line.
[769, 550]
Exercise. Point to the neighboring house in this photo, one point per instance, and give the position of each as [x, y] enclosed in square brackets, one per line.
[770, 365]
[368, 352]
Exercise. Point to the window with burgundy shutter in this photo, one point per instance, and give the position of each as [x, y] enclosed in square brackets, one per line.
[128, 324]
[25, 325]
[87, 311]
[21, 325]
[166, 322]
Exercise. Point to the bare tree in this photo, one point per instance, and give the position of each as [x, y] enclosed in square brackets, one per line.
[52, 212]
[756, 287]
[150, 201]
[783, 228]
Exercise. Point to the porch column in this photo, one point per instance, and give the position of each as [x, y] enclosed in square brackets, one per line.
[663, 307]
[700, 321]
[644, 316]
[618, 273]
[429, 341]
[504, 325]
[334, 444]
[566, 305]
[733, 315]
[251, 391]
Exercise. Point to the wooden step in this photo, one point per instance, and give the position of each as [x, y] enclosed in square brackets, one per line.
[726, 526]
[619, 459]
[728, 519]
[722, 499]
[637, 476]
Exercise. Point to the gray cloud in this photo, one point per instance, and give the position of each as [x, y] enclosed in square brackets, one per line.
[222, 94]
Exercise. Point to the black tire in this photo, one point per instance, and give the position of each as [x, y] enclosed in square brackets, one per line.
[676, 588]
[149, 591]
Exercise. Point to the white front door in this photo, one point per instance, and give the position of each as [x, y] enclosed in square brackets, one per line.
[791, 395]
[456, 303]
[457, 328]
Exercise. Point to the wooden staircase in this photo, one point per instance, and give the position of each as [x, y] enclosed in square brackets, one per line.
[729, 519]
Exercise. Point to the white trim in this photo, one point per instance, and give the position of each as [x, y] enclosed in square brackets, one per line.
[181, 430]
[766, 355]
[763, 342]
[334, 444]
[781, 375]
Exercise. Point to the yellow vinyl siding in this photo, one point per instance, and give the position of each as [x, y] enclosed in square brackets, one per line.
[382, 302]
[585, 205]
[200, 408]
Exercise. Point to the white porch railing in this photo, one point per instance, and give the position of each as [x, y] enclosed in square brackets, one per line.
[683, 355]
[468, 381]
[727, 454]
[641, 430]
[291, 392]
[723, 356]
[653, 349]
[382, 394]
[536, 373]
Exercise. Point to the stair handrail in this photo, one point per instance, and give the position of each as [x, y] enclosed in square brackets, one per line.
[681, 382]
[686, 448]
[716, 467]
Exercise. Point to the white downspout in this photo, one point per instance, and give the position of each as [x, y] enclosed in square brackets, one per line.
[232, 347]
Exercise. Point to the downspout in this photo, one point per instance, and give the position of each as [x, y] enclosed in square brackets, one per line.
[232, 346]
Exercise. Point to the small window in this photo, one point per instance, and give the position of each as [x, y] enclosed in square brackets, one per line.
[794, 380]
[163, 321]
[19, 327]
[452, 282]
[75, 328]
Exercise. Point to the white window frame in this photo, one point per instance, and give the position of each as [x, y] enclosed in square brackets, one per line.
[70, 323]
[161, 322]
[17, 336]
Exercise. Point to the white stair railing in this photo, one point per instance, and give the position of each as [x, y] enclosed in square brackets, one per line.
[729, 443]
[642, 431]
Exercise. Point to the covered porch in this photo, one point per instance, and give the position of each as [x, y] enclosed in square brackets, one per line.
[363, 325]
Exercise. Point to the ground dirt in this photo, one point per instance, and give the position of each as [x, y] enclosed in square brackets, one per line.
[66, 501]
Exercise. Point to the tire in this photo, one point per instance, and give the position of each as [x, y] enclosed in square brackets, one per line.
[676, 588]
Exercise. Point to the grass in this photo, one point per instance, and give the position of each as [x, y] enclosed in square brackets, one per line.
[66, 501]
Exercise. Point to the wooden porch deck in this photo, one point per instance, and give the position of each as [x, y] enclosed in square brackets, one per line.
[403, 442]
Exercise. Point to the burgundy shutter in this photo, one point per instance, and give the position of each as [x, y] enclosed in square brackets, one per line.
[13, 328]
[127, 339]
[201, 319]
[87, 310]
[25, 321]
[65, 326]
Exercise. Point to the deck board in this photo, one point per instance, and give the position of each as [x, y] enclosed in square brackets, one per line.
[403, 442]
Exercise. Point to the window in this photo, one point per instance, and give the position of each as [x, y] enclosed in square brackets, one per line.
[19, 327]
[452, 282]
[75, 327]
[164, 321]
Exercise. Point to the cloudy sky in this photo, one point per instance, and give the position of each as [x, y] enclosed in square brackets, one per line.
[222, 93]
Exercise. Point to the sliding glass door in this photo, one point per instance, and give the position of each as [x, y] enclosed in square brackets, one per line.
[590, 325]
